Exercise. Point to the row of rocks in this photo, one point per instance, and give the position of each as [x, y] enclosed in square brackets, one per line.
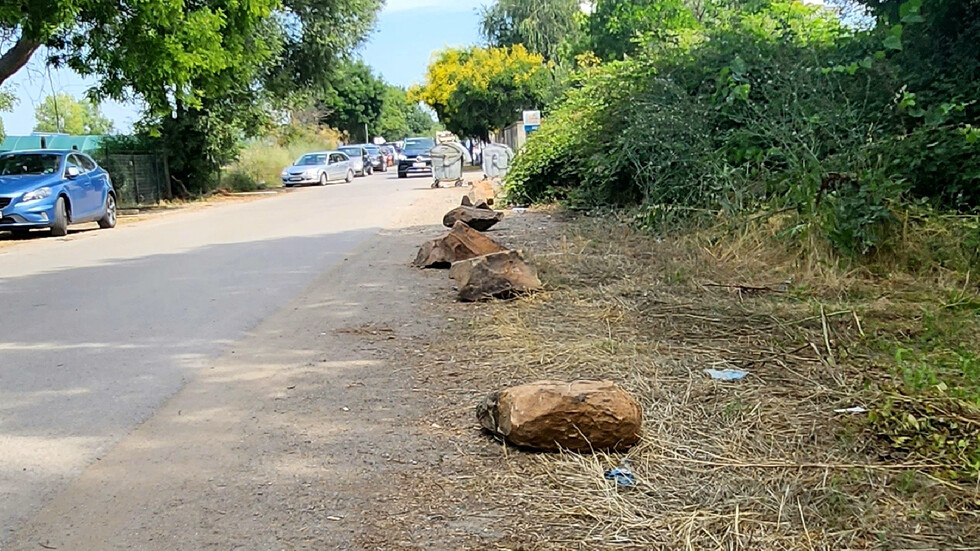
[546, 415]
[481, 267]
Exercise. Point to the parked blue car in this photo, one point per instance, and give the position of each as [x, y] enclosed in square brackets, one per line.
[52, 189]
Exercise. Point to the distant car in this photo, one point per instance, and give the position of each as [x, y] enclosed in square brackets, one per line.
[414, 158]
[376, 157]
[358, 159]
[53, 189]
[319, 167]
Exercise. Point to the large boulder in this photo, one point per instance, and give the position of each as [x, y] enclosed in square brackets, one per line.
[495, 275]
[553, 415]
[462, 242]
[476, 218]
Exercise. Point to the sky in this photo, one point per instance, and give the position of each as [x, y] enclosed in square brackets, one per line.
[399, 49]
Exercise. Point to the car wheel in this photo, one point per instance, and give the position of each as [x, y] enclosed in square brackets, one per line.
[109, 220]
[402, 175]
[323, 178]
[370, 170]
[350, 176]
[60, 226]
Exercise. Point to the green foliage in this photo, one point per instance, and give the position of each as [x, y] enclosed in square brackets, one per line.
[778, 108]
[478, 90]
[619, 28]
[354, 98]
[400, 118]
[549, 28]
[64, 113]
[260, 162]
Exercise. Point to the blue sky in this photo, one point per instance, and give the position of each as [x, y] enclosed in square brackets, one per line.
[399, 49]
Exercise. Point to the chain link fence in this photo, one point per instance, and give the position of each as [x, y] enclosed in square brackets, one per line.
[139, 178]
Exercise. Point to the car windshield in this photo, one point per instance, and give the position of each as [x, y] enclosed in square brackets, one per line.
[351, 151]
[313, 159]
[417, 149]
[419, 143]
[21, 164]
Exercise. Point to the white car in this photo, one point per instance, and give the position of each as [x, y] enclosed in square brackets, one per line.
[320, 167]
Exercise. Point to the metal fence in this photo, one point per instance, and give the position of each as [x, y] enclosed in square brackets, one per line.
[513, 136]
[139, 178]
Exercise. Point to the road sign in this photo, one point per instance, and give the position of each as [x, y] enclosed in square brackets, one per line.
[532, 118]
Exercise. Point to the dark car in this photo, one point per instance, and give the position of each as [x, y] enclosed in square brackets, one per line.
[376, 157]
[415, 158]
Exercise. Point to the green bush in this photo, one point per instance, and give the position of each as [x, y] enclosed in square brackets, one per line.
[260, 162]
[780, 109]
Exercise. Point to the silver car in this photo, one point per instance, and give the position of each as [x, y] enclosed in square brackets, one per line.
[320, 167]
[358, 160]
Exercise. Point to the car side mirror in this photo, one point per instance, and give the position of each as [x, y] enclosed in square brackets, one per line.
[72, 172]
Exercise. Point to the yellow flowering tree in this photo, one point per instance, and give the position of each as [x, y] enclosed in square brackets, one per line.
[478, 90]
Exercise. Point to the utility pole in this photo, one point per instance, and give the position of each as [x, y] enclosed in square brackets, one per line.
[366, 138]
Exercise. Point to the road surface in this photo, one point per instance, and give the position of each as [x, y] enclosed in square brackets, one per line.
[101, 328]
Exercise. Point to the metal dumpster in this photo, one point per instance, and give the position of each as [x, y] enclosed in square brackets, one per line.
[496, 160]
[447, 163]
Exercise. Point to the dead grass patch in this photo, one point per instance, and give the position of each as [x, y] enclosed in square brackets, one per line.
[761, 463]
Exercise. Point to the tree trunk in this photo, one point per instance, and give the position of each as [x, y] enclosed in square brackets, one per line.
[17, 56]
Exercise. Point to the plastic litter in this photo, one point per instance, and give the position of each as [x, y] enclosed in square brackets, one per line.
[622, 474]
[726, 374]
[518, 210]
[855, 409]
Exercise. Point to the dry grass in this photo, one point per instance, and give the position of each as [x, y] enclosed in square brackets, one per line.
[762, 463]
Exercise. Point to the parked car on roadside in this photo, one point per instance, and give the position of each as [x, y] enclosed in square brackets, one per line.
[319, 167]
[358, 159]
[53, 189]
[376, 157]
[414, 158]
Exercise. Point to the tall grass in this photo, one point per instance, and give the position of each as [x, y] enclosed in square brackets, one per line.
[261, 161]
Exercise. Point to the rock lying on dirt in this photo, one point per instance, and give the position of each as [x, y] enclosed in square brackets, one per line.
[553, 415]
[476, 218]
[496, 275]
[462, 242]
[469, 203]
[482, 191]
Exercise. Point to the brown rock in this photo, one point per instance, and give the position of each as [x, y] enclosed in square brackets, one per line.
[469, 203]
[462, 242]
[476, 218]
[482, 191]
[495, 275]
[553, 415]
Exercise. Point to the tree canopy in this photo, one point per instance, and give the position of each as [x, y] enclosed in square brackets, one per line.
[64, 113]
[478, 90]
[544, 27]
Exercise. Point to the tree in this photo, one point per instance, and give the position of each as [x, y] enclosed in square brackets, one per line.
[619, 28]
[63, 113]
[400, 117]
[478, 90]
[544, 27]
[354, 99]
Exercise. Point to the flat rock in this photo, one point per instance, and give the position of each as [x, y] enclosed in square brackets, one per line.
[477, 218]
[495, 275]
[553, 415]
[461, 243]
[467, 202]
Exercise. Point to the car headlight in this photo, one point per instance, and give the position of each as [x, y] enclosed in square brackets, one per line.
[402, 157]
[39, 193]
[284, 173]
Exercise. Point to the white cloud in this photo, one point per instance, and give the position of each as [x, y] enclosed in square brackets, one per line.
[392, 6]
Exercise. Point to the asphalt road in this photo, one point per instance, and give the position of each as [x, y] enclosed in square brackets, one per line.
[99, 329]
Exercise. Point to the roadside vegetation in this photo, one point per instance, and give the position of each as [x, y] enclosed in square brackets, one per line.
[782, 188]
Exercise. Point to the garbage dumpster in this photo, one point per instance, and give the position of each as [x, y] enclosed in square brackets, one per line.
[496, 160]
[447, 163]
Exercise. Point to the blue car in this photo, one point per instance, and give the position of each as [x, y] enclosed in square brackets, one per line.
[52, 189]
